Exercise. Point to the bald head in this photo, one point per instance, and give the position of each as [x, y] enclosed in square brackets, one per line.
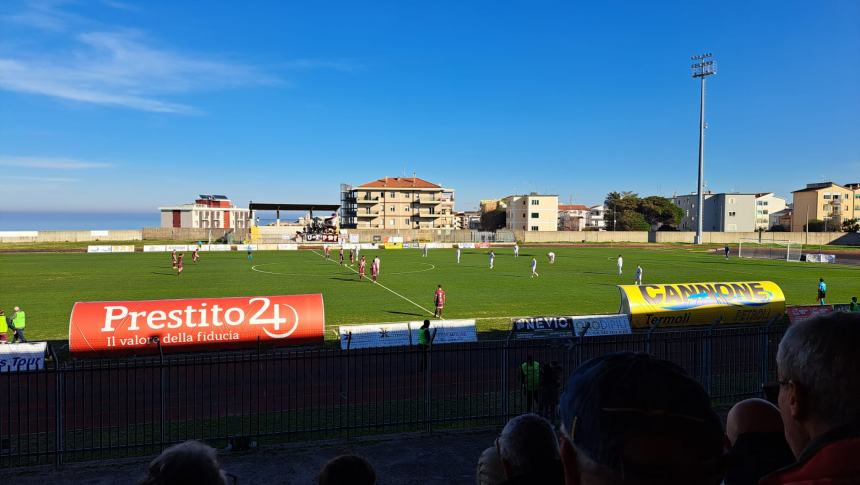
[753, 416]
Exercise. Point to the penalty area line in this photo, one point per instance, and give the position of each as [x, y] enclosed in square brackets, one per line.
[380, 285]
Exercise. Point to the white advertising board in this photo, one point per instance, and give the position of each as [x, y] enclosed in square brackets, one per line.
[374, 335]
[22, 357]
[98, 249]
[447, 331]
[466, 245]
[219, 247]
[820, 258]
[122, 249]
[177, 247]
[154, 248]
[288, 247]
[569, 326]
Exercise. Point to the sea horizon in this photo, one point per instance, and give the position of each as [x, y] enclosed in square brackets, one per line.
[76, 221]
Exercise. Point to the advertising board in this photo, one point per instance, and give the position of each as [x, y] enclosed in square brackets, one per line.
[686, 304]
[374, 335]
[132, 327]
[803, 312]
[22, 357]
[565, 327]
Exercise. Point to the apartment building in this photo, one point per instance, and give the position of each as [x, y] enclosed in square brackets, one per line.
[572, 217]
[468, 220]
[595, 220]
[533, 212]
[397, 203]
[825, 201]
[729, 212]
[207, 212]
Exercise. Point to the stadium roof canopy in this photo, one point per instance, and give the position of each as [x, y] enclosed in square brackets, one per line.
[262, 206]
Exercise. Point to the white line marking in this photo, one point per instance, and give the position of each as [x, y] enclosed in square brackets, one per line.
[257, 266]
[380, 284]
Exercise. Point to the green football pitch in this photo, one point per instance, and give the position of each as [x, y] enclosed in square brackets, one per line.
[582, 281]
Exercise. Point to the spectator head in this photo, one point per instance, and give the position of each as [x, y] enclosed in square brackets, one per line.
[490, 470]
[630, 418]
[530, 359]
[426, 324]
[17, 309]
[818, 366]
[854, 299]
[527, 445]
[347, 470]
[752, 416]
[188, 463]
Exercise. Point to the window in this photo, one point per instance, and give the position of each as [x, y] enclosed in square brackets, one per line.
[391, 209]
[392, 222]
[845, 196]
[732, 214]
[827, 195]
[535, 215]
[731, 200]
[825, 207]
[535, 228]
[535, 202]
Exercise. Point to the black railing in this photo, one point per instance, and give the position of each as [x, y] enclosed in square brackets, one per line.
[88, 410]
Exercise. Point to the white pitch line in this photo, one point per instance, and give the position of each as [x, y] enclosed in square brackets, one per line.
[378, 283]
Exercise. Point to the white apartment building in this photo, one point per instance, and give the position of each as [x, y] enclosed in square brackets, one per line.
[533, 212]
[595, 219]
[765, 205]
[207, 212]
[397, 203]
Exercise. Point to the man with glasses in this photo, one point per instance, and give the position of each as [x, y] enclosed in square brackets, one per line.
[818, 364]
[630, 418]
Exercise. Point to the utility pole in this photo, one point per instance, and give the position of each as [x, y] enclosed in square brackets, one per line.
[702, 68]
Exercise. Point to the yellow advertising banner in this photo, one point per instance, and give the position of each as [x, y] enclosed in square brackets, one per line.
[393, 245]
[690, 304]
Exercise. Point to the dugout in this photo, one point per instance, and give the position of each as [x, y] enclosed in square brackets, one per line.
[308, 227]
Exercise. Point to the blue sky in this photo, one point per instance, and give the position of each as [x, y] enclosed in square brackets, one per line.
[123, 106]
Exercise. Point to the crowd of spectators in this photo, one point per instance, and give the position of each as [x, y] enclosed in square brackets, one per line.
[630, 418]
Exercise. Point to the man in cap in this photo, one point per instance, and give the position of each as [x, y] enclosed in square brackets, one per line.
[630, 418]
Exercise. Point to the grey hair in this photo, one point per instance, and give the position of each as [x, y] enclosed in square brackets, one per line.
[821, 356]
[528, 443]
[191, 462]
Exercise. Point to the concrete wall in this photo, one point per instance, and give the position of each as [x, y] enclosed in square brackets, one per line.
[814, 239]
[191, 234]
[581, 236]
[71, 236]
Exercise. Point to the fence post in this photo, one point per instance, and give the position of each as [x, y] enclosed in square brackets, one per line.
[648, 336]
[707, 378]
[503, 366]
[58, 408]
[428, 388]
[765, 364]
[161, 386]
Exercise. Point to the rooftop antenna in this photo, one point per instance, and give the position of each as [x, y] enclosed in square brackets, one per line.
[703, 67]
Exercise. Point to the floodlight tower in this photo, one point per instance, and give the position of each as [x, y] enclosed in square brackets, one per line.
[702, 68]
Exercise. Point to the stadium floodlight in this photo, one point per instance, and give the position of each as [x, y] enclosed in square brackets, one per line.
[701, 70]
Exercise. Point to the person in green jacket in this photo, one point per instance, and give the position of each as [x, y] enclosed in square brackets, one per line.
[19, 321]
[530, 380]
[424, 339]
[4, 327]
[853, 306]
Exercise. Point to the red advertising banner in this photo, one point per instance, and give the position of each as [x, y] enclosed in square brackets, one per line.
[129, 327]
[800, 313]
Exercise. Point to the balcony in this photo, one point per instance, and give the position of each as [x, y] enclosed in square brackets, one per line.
[428, 215]
[367, 214]
[367, 200]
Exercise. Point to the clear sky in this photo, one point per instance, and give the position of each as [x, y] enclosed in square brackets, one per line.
[123, 106]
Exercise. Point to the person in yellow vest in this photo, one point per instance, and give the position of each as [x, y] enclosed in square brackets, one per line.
[18, 323]
[530, 380]
[4, 327]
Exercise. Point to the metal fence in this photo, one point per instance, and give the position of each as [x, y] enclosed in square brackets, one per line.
[89, 410]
